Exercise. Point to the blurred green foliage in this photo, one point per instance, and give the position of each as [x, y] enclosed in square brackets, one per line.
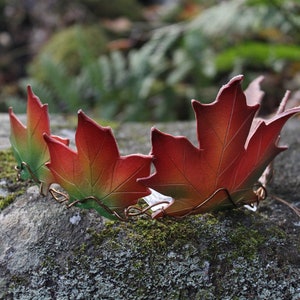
[65, 47]
[114, 8]
[113, 86]
[256, 54]
[177, 61]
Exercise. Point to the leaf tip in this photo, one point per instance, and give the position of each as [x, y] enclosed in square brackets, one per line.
[10, 111]
[46, 136]
[49, 139]
[80, 112]
[155, 132]
[29, 89]
[34, 102]
[82, 117]
[195, 104]
[31, 95]
[236, 80]
[239, 77]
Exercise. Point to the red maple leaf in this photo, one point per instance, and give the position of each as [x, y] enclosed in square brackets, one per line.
[96, 176]
[28, 145]
[234, 149]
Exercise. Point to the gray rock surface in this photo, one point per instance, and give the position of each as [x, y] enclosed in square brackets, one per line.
[50, 252]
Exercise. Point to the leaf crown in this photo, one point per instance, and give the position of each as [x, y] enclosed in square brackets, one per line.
[228, 168]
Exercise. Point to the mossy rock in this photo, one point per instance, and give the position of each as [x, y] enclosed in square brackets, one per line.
[229, 255]
[235, 254]
[71, 47]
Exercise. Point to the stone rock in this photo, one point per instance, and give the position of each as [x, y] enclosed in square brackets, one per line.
[50, 252]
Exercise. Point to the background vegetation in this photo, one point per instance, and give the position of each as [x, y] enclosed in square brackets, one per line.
[144, 60]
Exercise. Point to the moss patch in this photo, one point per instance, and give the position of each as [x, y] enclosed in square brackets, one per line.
[241, 234]
[226, 255]
[7, 164]
[9, 187]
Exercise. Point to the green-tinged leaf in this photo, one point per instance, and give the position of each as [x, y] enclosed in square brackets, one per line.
[27, 142]
[96, 176]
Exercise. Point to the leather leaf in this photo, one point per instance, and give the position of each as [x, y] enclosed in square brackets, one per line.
[96, 176]
[28, 145]
[233, 150]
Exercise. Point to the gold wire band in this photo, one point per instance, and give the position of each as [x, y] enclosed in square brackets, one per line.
[135, 210]
[193, 209]
[260, 192]
[61, 197]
